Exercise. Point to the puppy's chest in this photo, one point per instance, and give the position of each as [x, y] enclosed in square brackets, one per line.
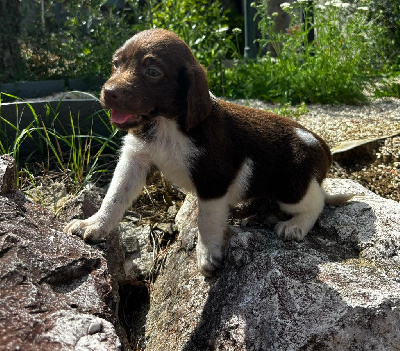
[174, 153]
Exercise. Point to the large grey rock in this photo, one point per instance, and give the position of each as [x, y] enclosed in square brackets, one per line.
[337, 290]
[55, 290]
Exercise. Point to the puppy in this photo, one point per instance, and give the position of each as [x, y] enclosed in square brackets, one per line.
[224, 153]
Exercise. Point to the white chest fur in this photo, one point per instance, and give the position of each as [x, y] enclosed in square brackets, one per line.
[170, 151]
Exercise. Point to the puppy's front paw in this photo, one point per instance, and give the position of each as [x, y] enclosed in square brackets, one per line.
[88, 229]
[290, 231]
[209, 260]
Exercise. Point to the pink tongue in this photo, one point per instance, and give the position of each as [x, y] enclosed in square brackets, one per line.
[119, 117]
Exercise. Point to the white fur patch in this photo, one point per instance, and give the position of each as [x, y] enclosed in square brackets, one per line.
[212, 96]
[212, 220]
[306, 137]
[241, 183]
[212, 224]
[173, 153]
[305, 213]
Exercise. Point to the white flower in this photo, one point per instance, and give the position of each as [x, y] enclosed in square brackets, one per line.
[274, 14]
[236, 31]
[284, 5]
[222, 29]
[335, 3]
[363, 8]
[321, 7]
[345, 4]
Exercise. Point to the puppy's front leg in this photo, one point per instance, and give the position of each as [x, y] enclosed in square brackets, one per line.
[127, 182]
[212, 226]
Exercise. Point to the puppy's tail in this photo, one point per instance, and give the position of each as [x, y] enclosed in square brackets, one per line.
[337, 199]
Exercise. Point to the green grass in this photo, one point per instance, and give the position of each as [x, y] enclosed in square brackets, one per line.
[70, 150]
[290, 111]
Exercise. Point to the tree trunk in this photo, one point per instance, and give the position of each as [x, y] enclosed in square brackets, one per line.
[10, 57]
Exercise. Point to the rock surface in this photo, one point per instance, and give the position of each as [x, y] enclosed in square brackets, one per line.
[82, 206]
[135, 248]
[337, 290]
[55, 291]
[8, 174]
[138, 256]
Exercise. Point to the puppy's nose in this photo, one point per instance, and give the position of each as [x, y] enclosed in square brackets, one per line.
[112, 93]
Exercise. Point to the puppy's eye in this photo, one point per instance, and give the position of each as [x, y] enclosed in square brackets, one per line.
[116, 63]
[153, 72]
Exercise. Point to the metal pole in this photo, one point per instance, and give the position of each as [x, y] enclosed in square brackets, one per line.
[42, 16]
[250, 50]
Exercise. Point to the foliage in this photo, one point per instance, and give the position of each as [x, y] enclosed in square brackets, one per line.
[81, 43]
[389, 86]
[10, 56]
[351, 45]
[390, 15]
[333, 68]
[201, 24]
[76, 43]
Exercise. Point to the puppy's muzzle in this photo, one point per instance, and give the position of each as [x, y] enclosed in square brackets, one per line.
[112, 95]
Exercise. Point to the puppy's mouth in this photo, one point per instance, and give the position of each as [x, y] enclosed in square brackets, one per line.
[124, 121]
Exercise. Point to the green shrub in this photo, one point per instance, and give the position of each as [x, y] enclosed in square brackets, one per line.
[390, 15]
[389, 87]
[333, 68]
[90, 32]
[351, 45]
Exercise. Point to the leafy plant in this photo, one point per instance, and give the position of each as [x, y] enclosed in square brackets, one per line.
[80, 42]
[335, 67]
[390, 16]
[389, 87]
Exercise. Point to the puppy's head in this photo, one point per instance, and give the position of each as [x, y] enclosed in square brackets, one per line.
[155, 74]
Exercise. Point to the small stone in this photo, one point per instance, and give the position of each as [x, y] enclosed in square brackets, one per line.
[8, 174]
[130, 243]
[168, 228]
[172, 211]
[95, 327]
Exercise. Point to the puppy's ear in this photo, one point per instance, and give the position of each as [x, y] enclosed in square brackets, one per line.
[199, 102]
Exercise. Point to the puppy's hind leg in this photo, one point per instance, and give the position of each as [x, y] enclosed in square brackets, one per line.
[305, 213]
[212, 225]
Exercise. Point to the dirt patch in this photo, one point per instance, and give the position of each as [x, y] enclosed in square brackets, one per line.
[379, 173]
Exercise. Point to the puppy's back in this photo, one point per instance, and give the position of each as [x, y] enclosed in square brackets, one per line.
[285, 155]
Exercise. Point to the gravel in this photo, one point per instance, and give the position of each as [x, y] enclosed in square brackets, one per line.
[338, 123]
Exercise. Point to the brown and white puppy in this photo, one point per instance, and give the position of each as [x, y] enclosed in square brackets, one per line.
[222, 152]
